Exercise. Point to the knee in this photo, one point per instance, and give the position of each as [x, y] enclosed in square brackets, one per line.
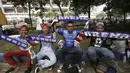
[6, 54]
[80, 51]
[59, 51]
[112, 57]
[90, 51]
[53, 60]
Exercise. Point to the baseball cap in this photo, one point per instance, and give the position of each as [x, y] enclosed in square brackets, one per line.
[44, 25]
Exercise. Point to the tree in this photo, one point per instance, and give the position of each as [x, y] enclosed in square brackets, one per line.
[28, 4]
[60, 3]
[107, 9]
[101, 15]
[85, 6]
[118, 6]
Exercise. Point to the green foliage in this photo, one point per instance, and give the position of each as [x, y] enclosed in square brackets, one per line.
[84, 6]
[117, 7]
[34, 3]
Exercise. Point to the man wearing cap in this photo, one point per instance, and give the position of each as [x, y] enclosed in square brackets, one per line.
[97, 50]
[46, 49]
[23, 37]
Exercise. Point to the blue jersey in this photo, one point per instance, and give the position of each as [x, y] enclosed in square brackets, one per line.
[69, 37]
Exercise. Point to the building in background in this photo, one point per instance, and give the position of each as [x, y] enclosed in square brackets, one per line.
[19, 13]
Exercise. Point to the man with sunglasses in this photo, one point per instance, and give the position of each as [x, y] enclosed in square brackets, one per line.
[69, 36]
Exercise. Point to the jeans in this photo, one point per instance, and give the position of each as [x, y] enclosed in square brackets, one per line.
[69, 54]
[46, 62]
[101, 53]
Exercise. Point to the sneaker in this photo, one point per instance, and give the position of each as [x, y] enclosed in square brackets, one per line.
[27, 71]
[37, 69]
[70, 66]
[59, 69]
[10, 70]
[79, 69]
[61, 66]
[50, 68]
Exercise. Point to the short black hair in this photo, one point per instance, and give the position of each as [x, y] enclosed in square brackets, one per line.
[40, 14]
[70, 22]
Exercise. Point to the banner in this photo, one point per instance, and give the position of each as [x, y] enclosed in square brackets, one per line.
[35, 38]
[117, 35]
[24, 45]
[13, 41]
[73, 18]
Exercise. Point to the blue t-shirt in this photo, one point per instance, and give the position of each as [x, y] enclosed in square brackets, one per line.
[69, 37]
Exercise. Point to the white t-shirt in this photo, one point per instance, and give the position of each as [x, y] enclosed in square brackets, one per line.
[39, 22]
[46, 46]
[24, 41]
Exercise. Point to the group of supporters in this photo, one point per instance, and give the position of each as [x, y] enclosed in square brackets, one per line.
[99, 51]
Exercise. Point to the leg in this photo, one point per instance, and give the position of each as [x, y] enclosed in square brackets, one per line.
[61, 55]
[108, 55]
[92, 53]
[9, 57]
[77, 54]
[105, 59]
[52, 60]
[40, 55]
[28, 61]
